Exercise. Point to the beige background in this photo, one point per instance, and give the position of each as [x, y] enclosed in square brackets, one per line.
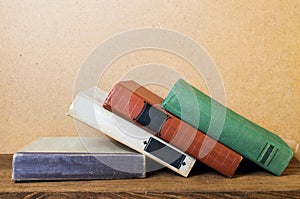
[255, 45]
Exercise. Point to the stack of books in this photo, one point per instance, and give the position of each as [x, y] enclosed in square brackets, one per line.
[156, 129]
[239, 137]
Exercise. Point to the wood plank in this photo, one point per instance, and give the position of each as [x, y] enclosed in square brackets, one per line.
[250, 181]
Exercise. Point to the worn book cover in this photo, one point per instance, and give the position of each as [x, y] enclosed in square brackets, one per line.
[67, 158]
[87, 108]
[142, 107]
[247, 138]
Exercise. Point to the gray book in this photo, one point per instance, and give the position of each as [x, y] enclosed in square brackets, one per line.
[75, 158]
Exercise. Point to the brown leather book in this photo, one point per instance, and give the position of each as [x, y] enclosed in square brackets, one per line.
[142, 107]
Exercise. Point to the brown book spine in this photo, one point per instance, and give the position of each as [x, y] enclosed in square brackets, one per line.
[142, 107]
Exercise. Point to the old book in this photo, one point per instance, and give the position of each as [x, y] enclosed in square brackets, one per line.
[142, 107]
[247, 138]
[87, 108]
[66, 158]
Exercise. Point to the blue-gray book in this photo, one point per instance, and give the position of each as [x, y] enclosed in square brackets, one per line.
[75, 158]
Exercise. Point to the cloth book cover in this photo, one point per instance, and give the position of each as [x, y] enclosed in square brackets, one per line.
[67, 158]
[87, 108]
[142, 107]
[247, 138]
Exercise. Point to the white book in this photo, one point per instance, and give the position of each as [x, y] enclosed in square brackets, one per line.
[87, 108]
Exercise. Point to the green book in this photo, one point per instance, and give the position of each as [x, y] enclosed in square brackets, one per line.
[238, 133]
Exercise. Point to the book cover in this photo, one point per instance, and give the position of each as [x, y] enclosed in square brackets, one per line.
[142, 107]
[87, 108]
[247, 138]
[66, 158]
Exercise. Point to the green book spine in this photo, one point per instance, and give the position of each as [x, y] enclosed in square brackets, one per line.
[238, 133]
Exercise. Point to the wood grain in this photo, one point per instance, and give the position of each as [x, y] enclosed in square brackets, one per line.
[250, 181]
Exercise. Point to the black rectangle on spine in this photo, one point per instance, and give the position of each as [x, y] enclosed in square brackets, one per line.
[165, 153]
[152, 118]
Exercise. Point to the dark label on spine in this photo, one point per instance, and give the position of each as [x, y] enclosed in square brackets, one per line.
[165, 153]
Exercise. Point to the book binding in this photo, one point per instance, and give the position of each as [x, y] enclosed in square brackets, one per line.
[65, 158]
[240, 134]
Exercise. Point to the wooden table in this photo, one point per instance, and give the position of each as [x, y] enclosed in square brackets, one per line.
[249, 181]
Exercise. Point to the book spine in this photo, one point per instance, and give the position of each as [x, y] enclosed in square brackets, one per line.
[132, 104]
[247, 138]
[58, 166]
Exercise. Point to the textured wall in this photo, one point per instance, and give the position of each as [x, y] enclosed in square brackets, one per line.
[255, 45]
